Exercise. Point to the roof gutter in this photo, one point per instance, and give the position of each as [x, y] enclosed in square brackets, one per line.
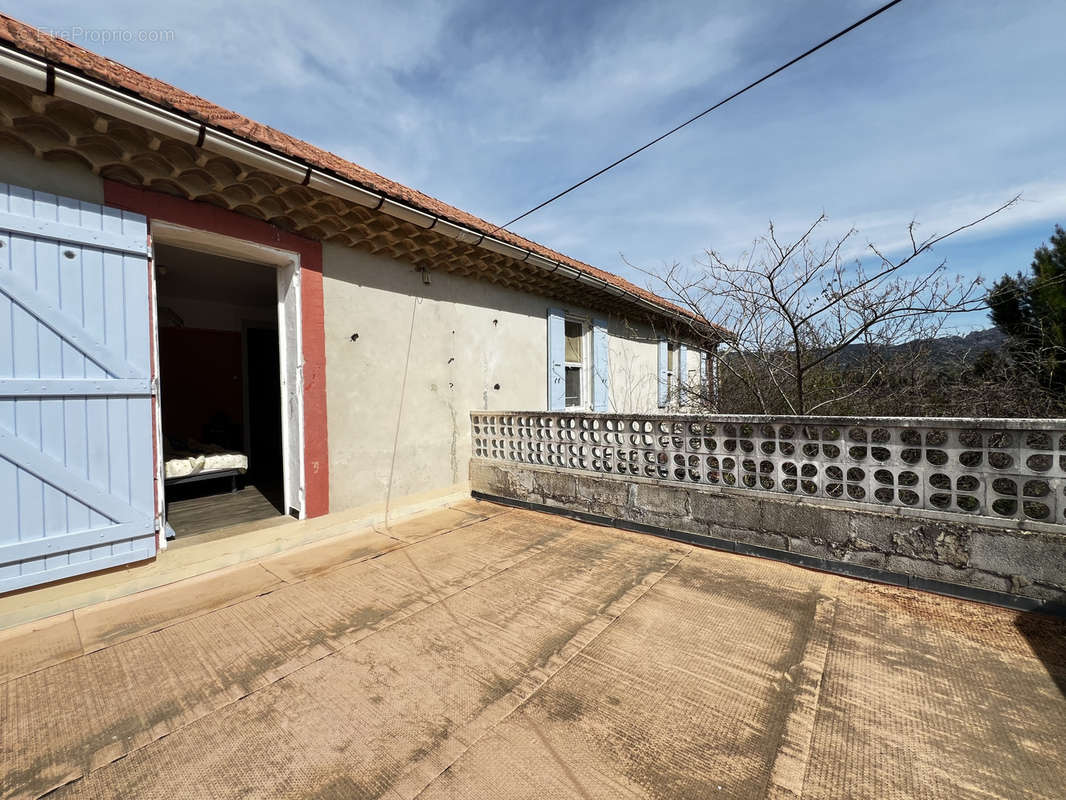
[41, 75]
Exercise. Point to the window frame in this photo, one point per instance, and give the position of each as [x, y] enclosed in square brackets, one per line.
[584, 376]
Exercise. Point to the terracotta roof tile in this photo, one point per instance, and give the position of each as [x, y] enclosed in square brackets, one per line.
[33, 41]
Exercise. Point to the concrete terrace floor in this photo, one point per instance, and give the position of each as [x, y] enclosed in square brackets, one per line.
[486, 652]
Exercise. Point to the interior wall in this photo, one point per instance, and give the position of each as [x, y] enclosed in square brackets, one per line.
[204, 302]
[202, 385]
[218, 316]
[464, 345]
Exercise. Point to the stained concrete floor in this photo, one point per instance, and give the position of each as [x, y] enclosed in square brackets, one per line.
[486, 652]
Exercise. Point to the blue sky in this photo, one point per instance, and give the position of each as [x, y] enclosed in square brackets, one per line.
[938, 111]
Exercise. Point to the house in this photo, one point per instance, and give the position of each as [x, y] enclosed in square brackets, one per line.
[192, 302]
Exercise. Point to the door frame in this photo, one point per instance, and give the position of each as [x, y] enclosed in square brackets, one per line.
[290, 344]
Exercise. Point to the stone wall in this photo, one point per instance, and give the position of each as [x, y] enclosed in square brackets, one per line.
[1005, 565]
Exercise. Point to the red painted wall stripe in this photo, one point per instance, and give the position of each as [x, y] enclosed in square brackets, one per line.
[206, 217]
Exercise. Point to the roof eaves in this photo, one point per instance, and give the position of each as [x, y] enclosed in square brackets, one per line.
[394, 198]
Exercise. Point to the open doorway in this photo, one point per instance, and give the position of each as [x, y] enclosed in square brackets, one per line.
[221, 391]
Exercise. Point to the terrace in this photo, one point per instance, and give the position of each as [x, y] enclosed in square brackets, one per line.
[488, 651]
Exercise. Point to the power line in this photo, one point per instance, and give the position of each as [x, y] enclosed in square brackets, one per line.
[703, 113]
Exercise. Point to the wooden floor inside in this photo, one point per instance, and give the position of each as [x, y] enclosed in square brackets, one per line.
[198, 515]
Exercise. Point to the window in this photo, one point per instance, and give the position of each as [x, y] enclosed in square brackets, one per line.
[575, 362]
[673, 371]
[674, 380]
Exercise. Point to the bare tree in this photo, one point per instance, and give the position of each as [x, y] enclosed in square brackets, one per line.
[814, 331]
[1006, 382]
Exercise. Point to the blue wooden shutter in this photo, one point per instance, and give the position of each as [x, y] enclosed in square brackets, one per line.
[681, 381]
[712, 389]
[76, 460]
[663, 387]
[600, 373]
[556, 363]
[703, 375]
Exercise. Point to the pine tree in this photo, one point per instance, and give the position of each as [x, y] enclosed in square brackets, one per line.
[1031, 311]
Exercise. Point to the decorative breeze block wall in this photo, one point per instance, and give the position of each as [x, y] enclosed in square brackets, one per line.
[1004, 469]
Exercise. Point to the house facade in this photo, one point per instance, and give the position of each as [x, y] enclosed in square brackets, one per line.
[186, 294]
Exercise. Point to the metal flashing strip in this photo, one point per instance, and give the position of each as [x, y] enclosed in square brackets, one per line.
[872, 574]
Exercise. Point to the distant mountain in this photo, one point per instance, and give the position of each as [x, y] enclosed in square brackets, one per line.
[942, 348]
[972, 344]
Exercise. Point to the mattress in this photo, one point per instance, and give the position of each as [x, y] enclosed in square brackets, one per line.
[202, 458]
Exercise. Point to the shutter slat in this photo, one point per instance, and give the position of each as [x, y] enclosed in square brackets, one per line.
[682, 376]
[703, 374]
[663, 387]
[556, 363]
[600, 369]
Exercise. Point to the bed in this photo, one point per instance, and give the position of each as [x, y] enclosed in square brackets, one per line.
[188, 461]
